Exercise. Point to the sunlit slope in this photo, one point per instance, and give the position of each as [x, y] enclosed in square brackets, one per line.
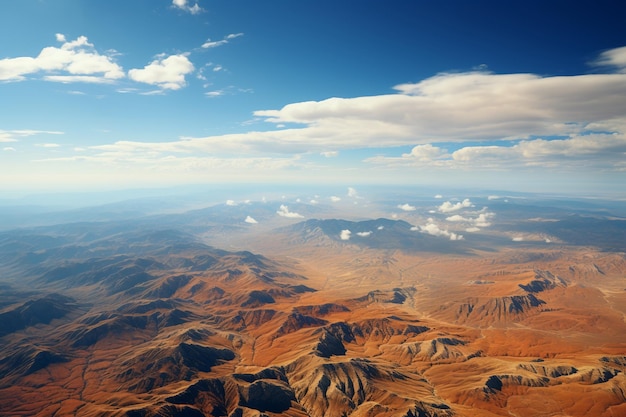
[147, 322]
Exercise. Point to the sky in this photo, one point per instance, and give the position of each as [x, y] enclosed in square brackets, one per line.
[522, 96]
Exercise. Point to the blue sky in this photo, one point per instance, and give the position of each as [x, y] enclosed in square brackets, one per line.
[524, 96]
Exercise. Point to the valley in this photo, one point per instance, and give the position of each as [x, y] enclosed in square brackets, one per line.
[102, 319]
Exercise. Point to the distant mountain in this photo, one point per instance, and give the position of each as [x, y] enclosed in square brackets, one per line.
[377, 234]
[583, 230]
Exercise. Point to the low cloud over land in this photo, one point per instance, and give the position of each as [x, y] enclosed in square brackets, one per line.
[283, 211]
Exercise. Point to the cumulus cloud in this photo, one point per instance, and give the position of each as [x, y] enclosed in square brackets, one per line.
[231, 203]
[168, 73]
[380, 227]
[352, 193]
[433, 229]
[426, 153]
[438, 196]
[482, 220]
[335, 199]
[364, 234]
[448, 207]
[184, 5]
[284, 212]
[457, 218]
[407, 207]
[543, 151]
[345, 234]
[518, 239]
[250, 220]
[472, 229]
[214, 44]
[73, 61]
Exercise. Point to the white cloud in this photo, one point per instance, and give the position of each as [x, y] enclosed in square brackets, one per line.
[284, 212]
[433, 229]
[168, 73]
[77, 60]
[438, 196]
[216, 93]
[602, 151]
[352, 193]
[614, 58]
[457, 218]
[493, 197]
[335, 199]
[9, 136]
[518, 239]
[599, 150]
[231, 203]
[380, 227]
[329, 154]
[472, 229]
[313, 201]
[250, 220]
[48, 145]
[482, 220]
[460, 107]
[364, 234]
[345, 234]
[184, 5]
[595, 149]
[13, 135]
[68, 79]
[407, 207]
[426, 153]
[8, 149]
[214, 44]
[448, 206]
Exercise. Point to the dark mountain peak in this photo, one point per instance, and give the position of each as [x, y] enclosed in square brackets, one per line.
[36, 311]
[28, 360]
[158, 366]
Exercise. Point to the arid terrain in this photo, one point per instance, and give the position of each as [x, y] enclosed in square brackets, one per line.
[201, 314]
